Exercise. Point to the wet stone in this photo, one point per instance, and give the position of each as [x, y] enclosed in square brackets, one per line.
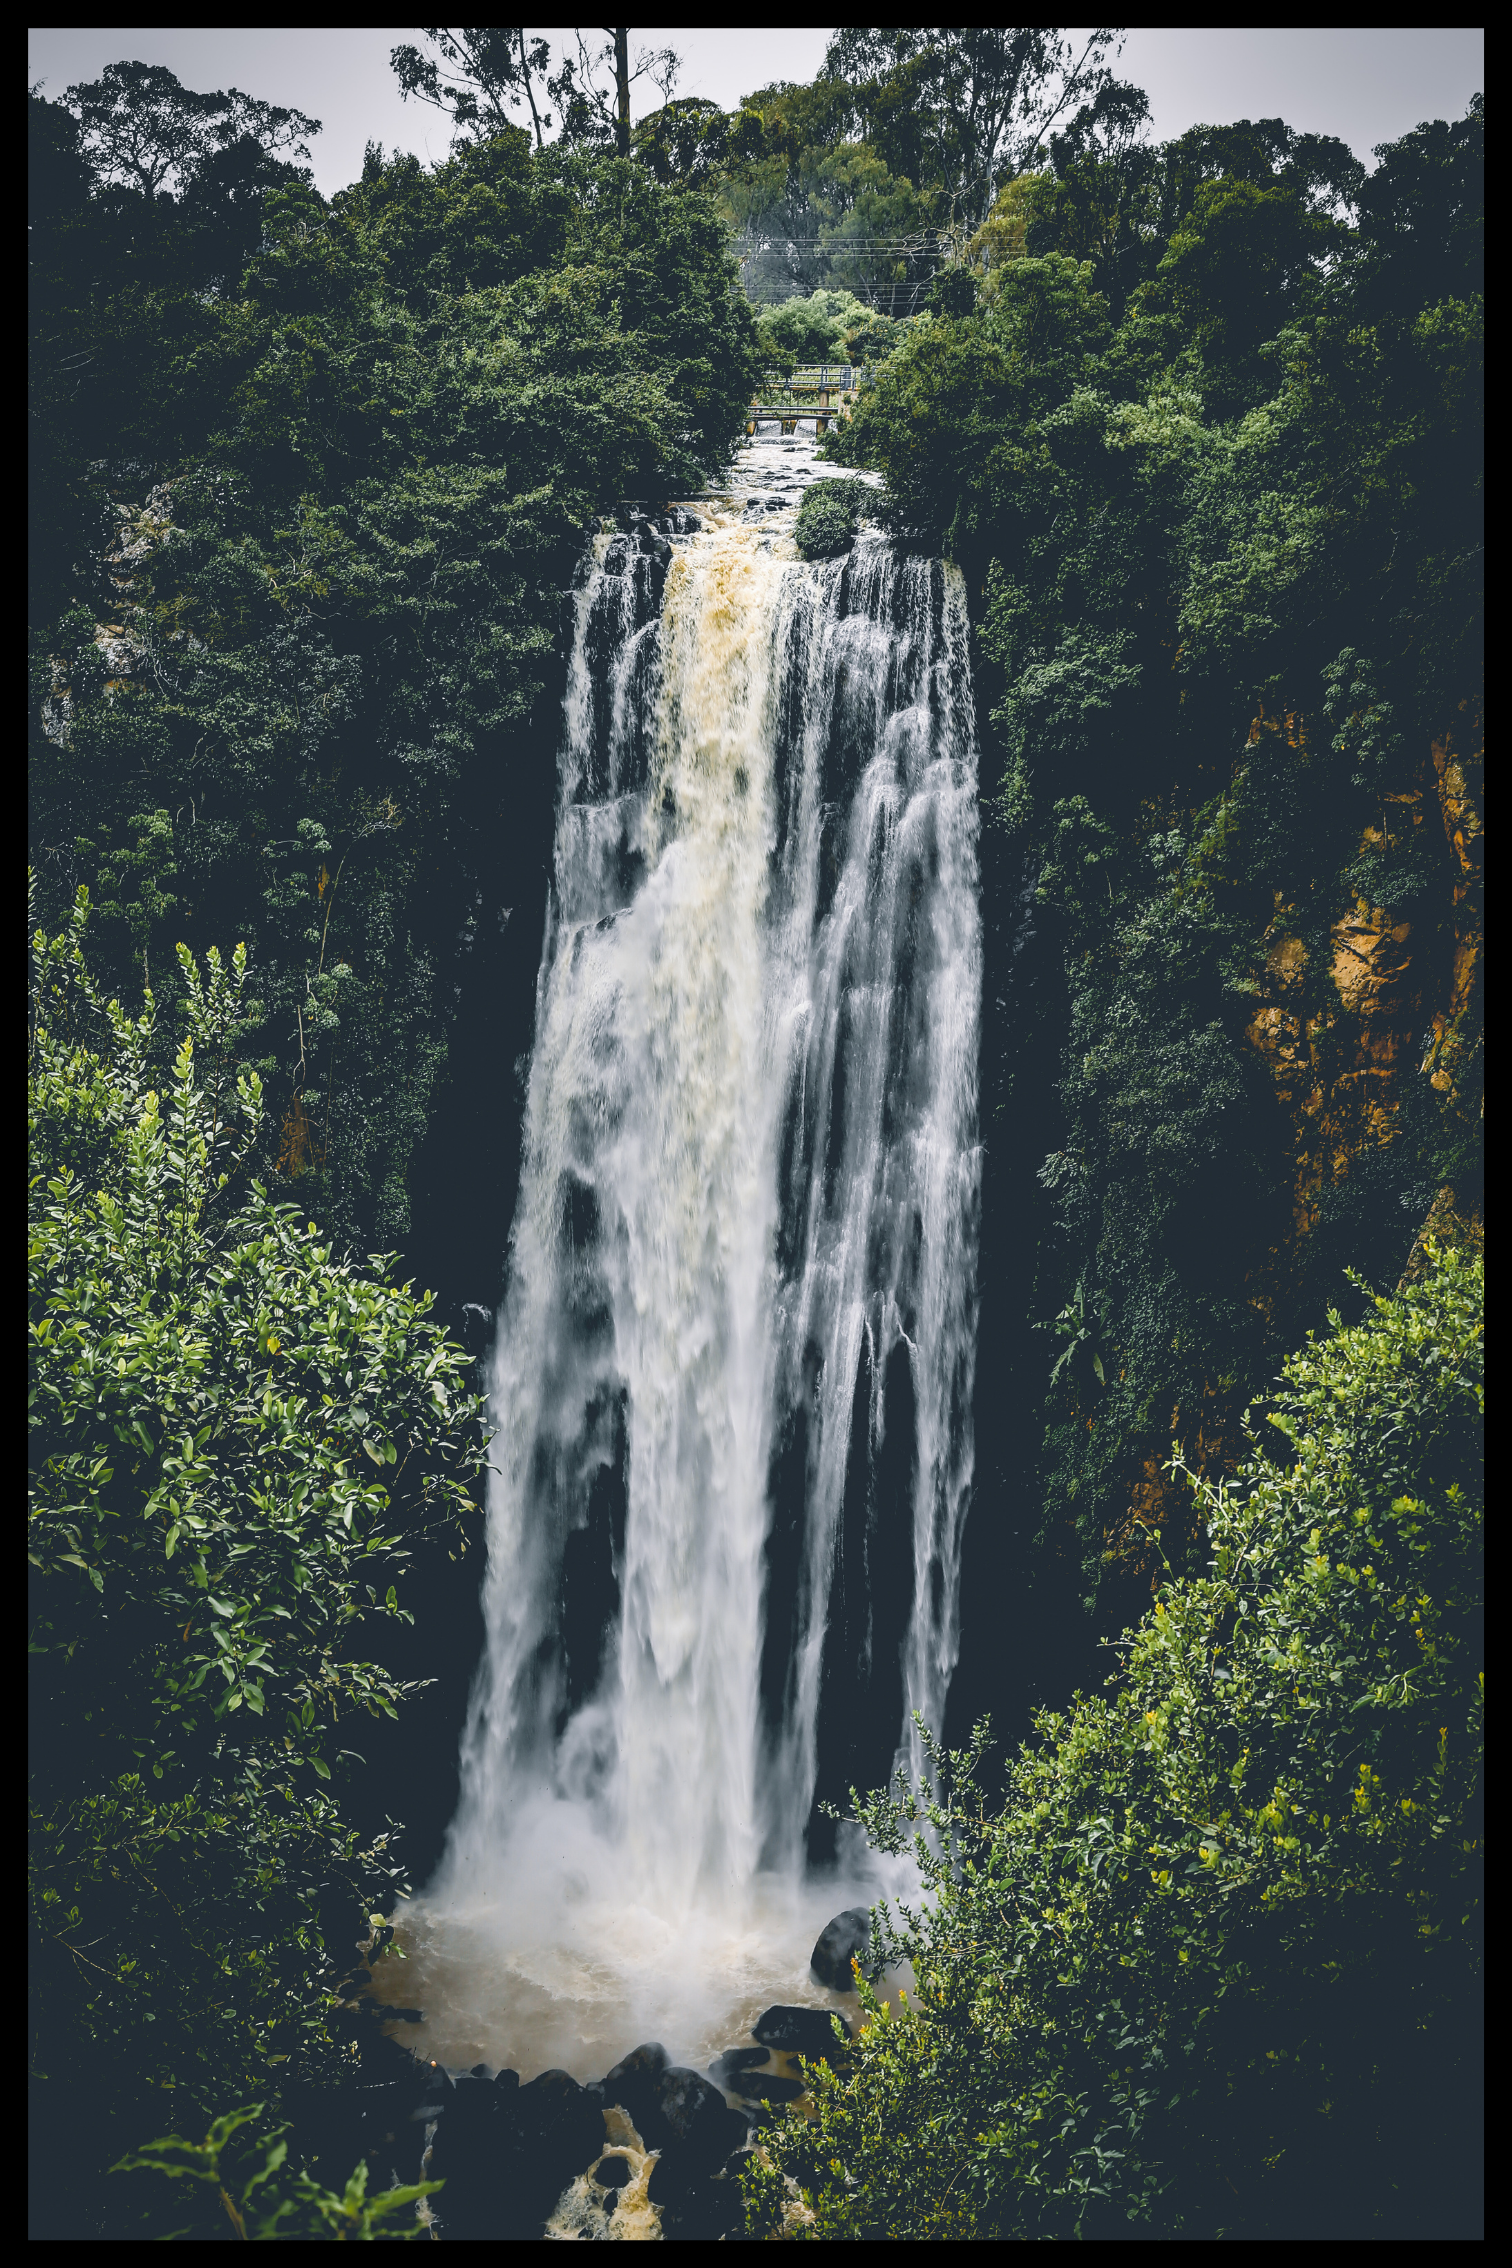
[725, 2068]
[846, 1938]
[802, 2031]
[632, 2082]
[769, 2086]
[687, 2119]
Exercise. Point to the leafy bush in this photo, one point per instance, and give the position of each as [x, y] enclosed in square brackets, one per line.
[811, 329]
[241, 2179]
[828, 514]
[1214, 1967]
[236, 1438]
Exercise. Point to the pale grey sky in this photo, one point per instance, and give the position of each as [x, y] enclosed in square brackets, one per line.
[1365, 86]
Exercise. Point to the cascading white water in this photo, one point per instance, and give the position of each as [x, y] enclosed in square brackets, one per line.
[734, 1368]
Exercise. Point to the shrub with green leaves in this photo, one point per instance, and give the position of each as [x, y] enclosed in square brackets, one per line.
[243, 2178]
[236, 1437]
[827, 517]
[1214, 1966]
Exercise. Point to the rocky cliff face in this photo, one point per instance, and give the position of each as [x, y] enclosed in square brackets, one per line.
[1405, 991]
[1402, 1006]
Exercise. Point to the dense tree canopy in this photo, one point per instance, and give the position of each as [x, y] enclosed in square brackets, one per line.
[333, 503]
[1227, 557]
[1200, 423]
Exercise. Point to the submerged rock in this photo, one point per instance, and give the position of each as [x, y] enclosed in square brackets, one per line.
[846, 1938]
[802, 2031]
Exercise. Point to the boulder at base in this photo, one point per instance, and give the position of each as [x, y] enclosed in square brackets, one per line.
[633, 2082]
[802, 2031]
[561, 2126]
[767, 2087]
[846, 1938]
[691, 2121]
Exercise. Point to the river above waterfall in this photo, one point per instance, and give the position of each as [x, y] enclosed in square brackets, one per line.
[733, 1371]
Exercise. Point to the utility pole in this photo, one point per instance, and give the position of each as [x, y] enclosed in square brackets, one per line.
[622, 92]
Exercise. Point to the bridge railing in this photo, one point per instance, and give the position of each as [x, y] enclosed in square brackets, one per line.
[832, 376]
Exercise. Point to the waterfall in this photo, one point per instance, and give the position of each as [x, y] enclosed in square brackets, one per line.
[732, 1386]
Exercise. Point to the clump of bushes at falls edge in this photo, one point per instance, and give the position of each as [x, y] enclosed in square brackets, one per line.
[236, 1440]
[1213, 1968]
[827, 517]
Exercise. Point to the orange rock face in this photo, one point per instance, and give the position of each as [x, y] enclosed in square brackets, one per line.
[1402, 1004]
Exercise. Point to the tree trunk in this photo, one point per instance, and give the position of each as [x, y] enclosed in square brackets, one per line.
[529, 95]
[622, 92]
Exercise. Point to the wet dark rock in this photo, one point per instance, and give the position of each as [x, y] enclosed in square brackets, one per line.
[507, 2152]
[802, 2031]
[564, 2121]
[690, 2112]
[769, 2086]
[742, 2058]
[680, 521]
[765, 2114]
[695, 2206]
[475, 2108]
[725, 2070]
[847, 1937]
[436, 2092]
[632, 2082]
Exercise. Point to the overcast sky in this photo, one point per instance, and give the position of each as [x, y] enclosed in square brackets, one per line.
[1365, 86]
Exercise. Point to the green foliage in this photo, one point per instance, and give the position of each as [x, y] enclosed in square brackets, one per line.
[809, 330]
[827, 517]
[236, 1440]
[476, 76]
[1224, 543]
[820, 208]
[1213, 1968]
[966, 106]
[298, 599]
[244, 2179]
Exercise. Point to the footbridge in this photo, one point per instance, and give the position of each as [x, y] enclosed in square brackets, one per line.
[823, 391]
